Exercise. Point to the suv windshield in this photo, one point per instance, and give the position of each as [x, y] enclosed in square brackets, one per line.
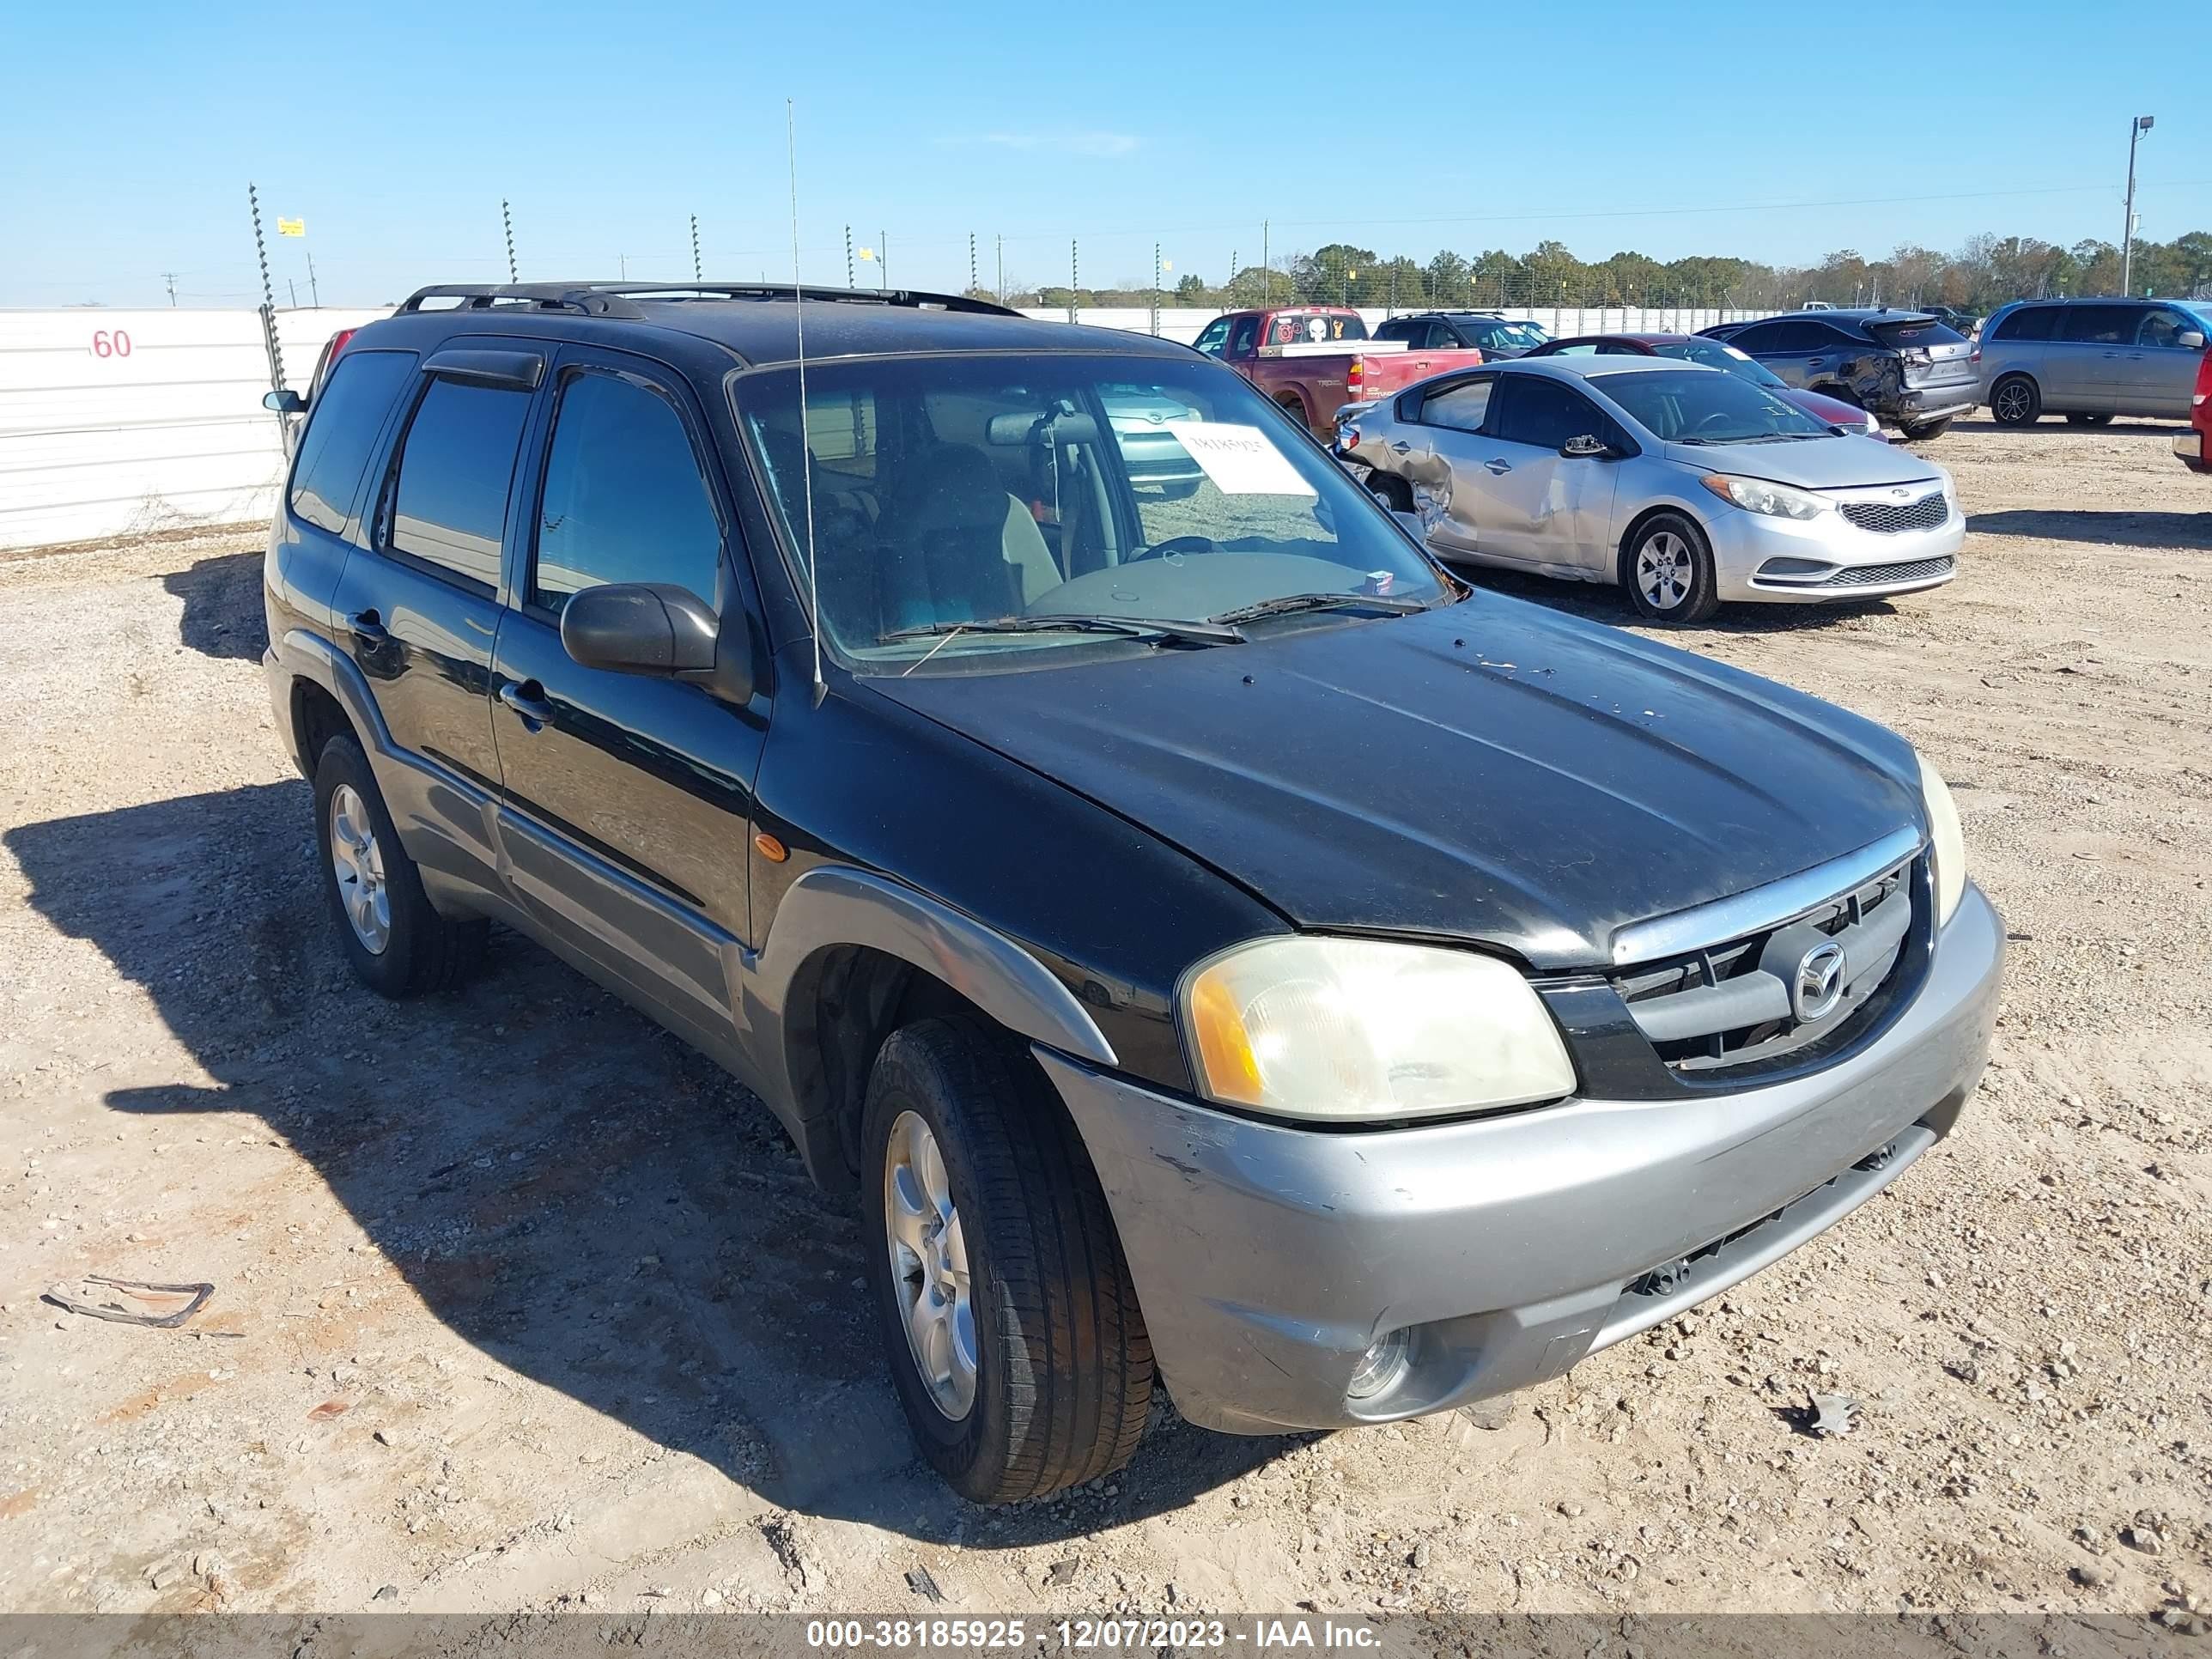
[986, 512]
[1696, 406]
[1512, 337]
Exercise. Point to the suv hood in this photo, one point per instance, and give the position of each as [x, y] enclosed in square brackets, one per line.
[1534, 789]
[1847, 463]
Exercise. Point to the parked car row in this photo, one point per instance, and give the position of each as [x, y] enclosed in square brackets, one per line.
[1901, 366]
[2090, 360]
[1208, 945]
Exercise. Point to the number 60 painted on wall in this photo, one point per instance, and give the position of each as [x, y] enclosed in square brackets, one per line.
[110, 343]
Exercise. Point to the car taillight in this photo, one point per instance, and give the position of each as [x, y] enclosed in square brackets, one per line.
[1355, 374]
[338, 342]
[1975, 356]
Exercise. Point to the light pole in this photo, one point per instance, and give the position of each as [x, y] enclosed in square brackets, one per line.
[2136, 128]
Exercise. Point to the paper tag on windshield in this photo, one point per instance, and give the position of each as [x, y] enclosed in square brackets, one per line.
[1241, 460]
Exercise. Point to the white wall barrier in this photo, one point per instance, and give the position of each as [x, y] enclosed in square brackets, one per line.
[119, 423]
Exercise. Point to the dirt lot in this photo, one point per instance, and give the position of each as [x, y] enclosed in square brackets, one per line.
[519, 1305]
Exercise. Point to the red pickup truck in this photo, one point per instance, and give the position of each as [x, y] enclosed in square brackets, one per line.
[1313, 360]
[2194, 447]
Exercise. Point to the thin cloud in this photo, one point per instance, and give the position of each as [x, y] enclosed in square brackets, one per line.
[1063, 142]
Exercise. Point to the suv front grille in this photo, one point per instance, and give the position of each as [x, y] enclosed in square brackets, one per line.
[1781, 989]
[1880, 575]
[1888, 517]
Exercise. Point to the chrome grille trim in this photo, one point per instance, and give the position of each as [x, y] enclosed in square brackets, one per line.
[1760, 909]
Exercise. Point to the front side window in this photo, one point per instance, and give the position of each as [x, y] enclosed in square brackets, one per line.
[1697, 406]
[449, 505]
[1215, 334]
[624, 501]
[1759, 340]
[334, 449]
[2163, 329]
[1016, 511]
[1543, 412]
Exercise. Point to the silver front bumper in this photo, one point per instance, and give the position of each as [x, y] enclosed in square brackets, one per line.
[1267, 1258]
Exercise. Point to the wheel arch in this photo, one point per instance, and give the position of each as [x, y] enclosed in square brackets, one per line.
[852, 956]
[1634, 528]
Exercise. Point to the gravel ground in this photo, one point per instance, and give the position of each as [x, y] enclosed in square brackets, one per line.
[518, 1304]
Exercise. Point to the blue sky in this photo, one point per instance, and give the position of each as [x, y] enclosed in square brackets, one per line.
[1775, 132]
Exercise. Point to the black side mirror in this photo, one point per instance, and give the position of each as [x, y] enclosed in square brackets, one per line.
[1586, 447]
[661, 630]
[285, 402]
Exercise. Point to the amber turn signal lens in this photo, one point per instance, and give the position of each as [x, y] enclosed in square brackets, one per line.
[770, 848]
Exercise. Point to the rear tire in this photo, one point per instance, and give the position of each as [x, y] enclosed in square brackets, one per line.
[1914, 434]
[1392, 491]
[975, 1184]
[395, 940]
[2092, 418]
[2015, 400]
[1668, 568]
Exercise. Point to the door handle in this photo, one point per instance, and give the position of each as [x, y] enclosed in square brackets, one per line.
[1398, 446]
[369, 627]
[527, 699]
[1816, 362]
[1500, 467]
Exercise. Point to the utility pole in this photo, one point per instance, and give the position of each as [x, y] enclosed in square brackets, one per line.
[848, 256]
[506, 224]
[314, 292]
[292, 289]
[697, 274]
[883, 256]
[2136, 128]
[1266, 269]
[1002, 268]
[170, 278]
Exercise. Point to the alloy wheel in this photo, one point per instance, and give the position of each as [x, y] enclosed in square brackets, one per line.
[929, 1266]
[2012, 403]
[1664, 570]
[358, 862]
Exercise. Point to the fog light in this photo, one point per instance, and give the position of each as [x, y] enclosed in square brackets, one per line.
[1380, 1368]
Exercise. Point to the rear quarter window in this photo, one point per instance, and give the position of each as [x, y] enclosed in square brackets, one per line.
[2029, 323]
[341, 428]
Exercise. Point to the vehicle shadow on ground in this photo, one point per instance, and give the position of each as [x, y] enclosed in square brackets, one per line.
[2192, 532]
[580, 1196]
[1596, 603]
[223, 614]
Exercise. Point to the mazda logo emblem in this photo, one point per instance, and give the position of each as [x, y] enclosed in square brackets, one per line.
[1818, 985]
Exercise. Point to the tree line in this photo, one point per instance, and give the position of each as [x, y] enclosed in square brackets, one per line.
[1982, 274]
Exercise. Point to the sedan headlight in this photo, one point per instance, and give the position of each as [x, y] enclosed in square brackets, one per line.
[1346, 1030]
[1758, 495]
[1949, 842]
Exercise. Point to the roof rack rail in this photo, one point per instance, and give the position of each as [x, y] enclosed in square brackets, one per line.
[621, 299]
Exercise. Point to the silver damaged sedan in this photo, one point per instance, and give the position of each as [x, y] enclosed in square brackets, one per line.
[1685, 485]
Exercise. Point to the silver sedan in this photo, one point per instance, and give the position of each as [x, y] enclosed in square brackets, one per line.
[1686, 485]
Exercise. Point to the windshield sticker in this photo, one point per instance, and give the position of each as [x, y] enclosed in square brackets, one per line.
[1240, 460]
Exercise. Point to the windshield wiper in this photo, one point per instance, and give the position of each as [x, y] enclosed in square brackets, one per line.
[1289, 603]
[1146, 628]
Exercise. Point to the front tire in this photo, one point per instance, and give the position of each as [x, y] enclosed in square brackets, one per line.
[2095, 418]
[1014, 1334]
[1914, 434]
[1668, 568]
[396, 942]
[2015, 401]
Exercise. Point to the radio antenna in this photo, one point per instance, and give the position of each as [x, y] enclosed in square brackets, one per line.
[805, 439]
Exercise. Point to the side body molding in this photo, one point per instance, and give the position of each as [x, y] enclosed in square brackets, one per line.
[836, 905]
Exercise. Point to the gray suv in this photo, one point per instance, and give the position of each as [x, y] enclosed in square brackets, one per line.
[2090, 360]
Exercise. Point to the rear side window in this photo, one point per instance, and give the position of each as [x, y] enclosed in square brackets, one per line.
[1398, 328]
[1461, 407]
[1248, 332]
[334, 449]
[1543, 413]
[2100, 324]
[624, 501]
[449, 507]
[2029, 323]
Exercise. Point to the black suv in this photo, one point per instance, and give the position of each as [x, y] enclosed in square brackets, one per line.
[1496, 336]
[1214, 944]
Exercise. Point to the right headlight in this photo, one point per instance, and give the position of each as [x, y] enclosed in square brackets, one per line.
[1948, 842]
[1776, 501]
[1349, 1030]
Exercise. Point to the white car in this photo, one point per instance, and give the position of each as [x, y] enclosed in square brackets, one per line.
[1686, 485]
